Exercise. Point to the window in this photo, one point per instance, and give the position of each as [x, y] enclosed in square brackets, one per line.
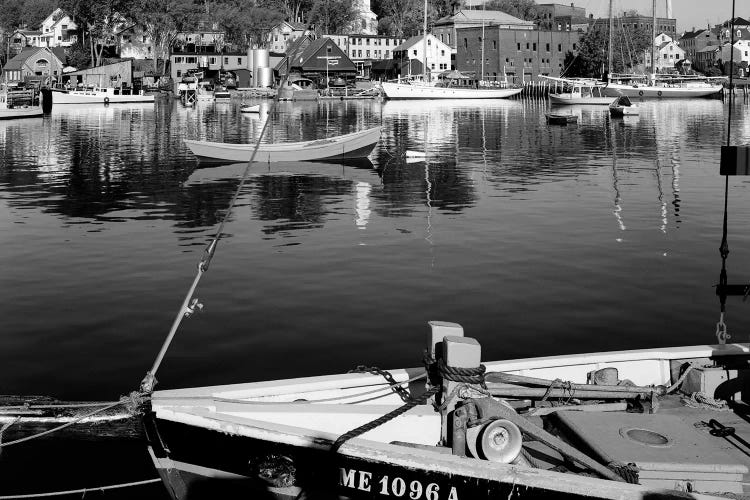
[534, 47]
[466, 43]
[177, 60]
[179, 73]
[449, 39]
[433, 65]
[212, 60]
[387, 54]
[239, 60]
[518, 46]
[665, 57]
[442, 52]
[367, 54]
[574, 47]
[226, 60]
[387, 41]
[559, 47]
[359, 52]
[479, 39]
[64, 27]
[415, 52]
[429, 42]
[527, 45]
[494, 44]
[547, 48]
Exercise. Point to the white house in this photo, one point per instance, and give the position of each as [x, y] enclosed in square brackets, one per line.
[283, 33]
[668, 52]
[741, 52]
[438, 53]
[58, 30]
[133, 43]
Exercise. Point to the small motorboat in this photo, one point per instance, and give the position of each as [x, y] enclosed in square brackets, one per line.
[561, 119]
[222, 94]
[622, 106]
[342, 147]
[250, 108]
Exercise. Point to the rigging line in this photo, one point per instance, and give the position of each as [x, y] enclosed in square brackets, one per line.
[188, 307]
[81, 490]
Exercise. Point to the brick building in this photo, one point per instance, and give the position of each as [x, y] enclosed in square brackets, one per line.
[519, 54]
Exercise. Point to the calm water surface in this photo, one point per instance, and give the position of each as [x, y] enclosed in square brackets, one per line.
[538, 239]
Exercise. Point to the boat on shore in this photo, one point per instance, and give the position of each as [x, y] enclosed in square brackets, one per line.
[104, 95]
[643, 424]
[342, 147]
[20, 104]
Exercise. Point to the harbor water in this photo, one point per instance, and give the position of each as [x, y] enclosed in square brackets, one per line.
[538, 239]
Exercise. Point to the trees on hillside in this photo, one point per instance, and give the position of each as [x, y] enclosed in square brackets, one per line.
[629, 46]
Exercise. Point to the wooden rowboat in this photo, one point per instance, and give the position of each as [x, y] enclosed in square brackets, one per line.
[282, 439]
[355, 145]
[561, 119]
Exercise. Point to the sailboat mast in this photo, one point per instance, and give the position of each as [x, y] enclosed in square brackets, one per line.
[424, 45]
[653, 37]
[611, 28]
[481, 77]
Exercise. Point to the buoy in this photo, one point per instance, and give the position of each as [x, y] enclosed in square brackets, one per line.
[106, 100]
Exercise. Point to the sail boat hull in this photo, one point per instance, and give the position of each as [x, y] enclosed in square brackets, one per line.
[661, 92]
[406, 91]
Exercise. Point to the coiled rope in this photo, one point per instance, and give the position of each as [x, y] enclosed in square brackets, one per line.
[189, 305]
[81, 491]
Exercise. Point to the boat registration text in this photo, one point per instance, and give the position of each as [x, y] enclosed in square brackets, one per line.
[394, 486]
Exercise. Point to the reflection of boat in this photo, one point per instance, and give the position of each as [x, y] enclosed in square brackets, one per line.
[14, 107]
[355, 145]
[577, 92]
[288, 438]
[561, 119]
[361, 169]
[622, 107]
[105, 95]
[205, 91]
[250, 108]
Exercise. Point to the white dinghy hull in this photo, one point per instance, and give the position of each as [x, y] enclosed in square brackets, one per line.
[355, 145]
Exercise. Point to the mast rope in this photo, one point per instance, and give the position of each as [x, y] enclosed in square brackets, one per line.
[721, 328]
[81, 491]
[190, 304]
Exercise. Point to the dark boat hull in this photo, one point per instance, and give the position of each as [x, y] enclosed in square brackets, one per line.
[200, 463]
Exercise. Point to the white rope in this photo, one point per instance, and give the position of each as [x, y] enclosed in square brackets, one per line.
[81, 491]
[705, 402]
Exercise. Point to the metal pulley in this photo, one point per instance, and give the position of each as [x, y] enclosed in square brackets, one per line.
[497, 441]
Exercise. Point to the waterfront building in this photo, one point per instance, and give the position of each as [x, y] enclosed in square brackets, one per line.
[22, 38]
[438, 55]
[665, 25]
[708, 57]
[58, 30]
[319, 60]
[668, 52]
[696, 40]
[210, 63]
[364, 50]
[561, 17]
[285, 33]
[42, 64]
[446, 27]
[520, 55]
[741, 57]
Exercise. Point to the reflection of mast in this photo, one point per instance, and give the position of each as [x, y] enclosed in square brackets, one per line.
[661, 198]
[676, 191]
[428, 189]
[615, 184]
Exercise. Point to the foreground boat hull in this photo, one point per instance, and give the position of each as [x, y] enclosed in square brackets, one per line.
[349, 146]
[404, 91]
[198, 463]
[275, 438]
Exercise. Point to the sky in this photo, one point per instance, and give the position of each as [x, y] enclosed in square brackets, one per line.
[689, 13]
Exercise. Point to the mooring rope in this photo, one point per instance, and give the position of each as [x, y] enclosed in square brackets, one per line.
[82, 491]
[189, 305]
[131, 402]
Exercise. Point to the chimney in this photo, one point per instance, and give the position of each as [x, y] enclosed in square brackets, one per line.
[669, 9]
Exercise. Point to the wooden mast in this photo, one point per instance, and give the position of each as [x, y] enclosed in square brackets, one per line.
[653, 39]
[609, 55]
[424, 46]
